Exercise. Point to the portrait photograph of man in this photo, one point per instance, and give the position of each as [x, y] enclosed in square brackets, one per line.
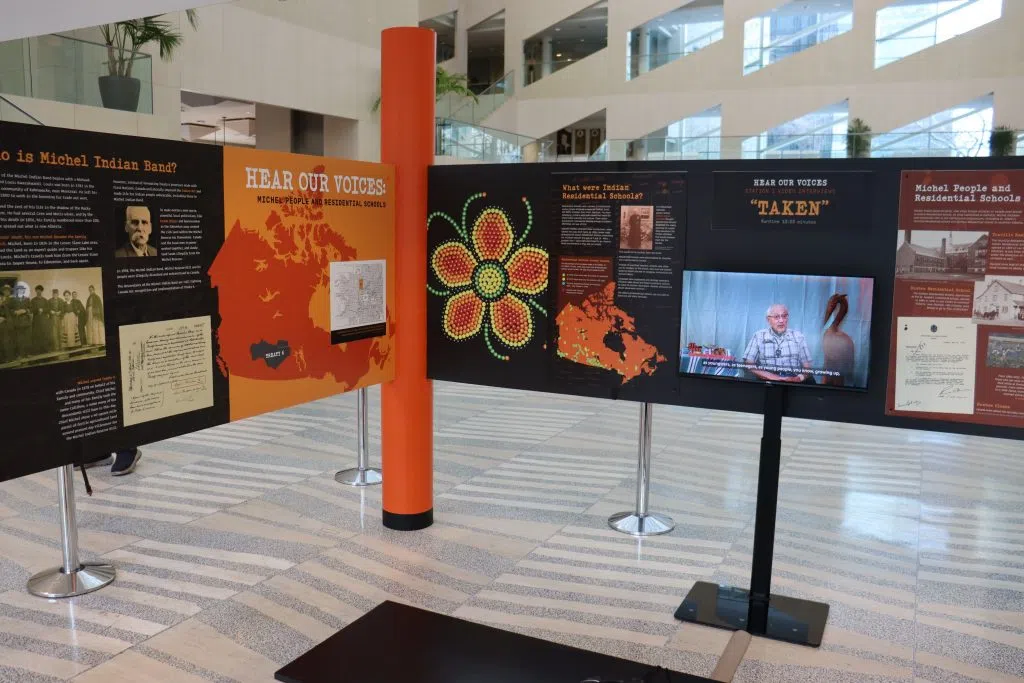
[138, 228]
[58, 327]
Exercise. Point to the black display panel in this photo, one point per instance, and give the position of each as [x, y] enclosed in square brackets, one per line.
[797, 330]
[98, 234]
[861, 243]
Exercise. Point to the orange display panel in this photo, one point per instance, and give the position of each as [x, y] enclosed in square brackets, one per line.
[287, 218]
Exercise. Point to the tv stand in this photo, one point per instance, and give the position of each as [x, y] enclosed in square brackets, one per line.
[757, 610]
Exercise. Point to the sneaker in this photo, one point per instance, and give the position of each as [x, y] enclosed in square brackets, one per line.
[125, 462]
[101, 462]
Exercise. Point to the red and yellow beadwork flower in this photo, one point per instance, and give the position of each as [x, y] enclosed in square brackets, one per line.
[489, 278]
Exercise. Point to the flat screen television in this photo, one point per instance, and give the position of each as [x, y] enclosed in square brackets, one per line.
[764, 327]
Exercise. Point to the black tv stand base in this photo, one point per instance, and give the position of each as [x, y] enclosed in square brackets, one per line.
[779, 618]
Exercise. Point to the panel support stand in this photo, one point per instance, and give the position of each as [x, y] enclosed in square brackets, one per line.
[640, 522]
[72, 577]
[756, 610]
[363, 474]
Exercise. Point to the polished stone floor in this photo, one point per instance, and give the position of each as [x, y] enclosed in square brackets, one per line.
[237, 551]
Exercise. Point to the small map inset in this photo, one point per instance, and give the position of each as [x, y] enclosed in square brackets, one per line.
[358, 300]
[272, 354]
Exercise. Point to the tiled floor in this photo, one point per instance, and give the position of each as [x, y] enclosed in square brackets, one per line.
[236, 550]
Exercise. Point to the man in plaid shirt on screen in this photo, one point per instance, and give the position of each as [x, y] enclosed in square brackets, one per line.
[780, 354]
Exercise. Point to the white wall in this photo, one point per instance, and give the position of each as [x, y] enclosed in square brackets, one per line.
[988, 59]
[22, 18]
[319, 56]
[164, 122]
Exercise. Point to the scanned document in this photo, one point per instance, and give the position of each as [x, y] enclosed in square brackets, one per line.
[935, 365]
[166, 368]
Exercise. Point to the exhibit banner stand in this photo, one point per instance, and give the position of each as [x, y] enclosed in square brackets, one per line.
[72, 577]
[757, 611]
[640, 522]
[363, 474]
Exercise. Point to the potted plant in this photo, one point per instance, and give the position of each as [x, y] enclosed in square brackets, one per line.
[858, 140]
[119, 89]
[1002, 142]
[444, 83]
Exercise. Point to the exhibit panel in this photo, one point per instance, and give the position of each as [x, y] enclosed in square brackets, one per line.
[556, 281]
[665, 277]
[151, 288]
[958, 309]
[303, 278]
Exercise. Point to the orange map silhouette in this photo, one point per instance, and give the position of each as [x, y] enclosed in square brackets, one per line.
[599, 334]
[273, 285]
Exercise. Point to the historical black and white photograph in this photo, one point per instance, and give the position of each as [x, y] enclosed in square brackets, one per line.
[51, 316]
[1005, 350]
[636, 227]
[999, 300]
[136, 236]
[563, 142]
[942, 254]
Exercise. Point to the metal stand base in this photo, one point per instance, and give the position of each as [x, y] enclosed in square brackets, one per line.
[641, 525]
[54, 583]
[358, 477]
[780, 618]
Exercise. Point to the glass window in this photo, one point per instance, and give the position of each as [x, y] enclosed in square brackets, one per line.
[957, 132]
[792, 28]
[673, 35]
[910, 26]
[819, 134]
[566, 42]
[694, 137]
[444, 26]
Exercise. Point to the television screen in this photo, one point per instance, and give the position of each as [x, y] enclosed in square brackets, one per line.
[762, 327]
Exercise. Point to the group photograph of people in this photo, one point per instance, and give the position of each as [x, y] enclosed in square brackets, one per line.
[51, 316]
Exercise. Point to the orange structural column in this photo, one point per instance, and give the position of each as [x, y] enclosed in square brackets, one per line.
[407, 403]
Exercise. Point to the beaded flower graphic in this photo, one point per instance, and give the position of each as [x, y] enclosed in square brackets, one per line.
[490, 279]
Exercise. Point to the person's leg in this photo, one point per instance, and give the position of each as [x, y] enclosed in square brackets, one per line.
[125, 462]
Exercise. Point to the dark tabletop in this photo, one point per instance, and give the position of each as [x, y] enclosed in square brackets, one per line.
[395, 643]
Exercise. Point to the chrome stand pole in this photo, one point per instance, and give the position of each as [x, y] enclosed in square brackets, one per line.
[363, 475]
[72, 577]
[640, 522]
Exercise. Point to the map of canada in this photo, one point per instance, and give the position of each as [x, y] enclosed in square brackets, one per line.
[273, 284]
[599, 334]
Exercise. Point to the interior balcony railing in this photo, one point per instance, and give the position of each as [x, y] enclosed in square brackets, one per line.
[461, 140]
[536, 69]
[703, 147]
[65, 69]
[762, 48]
[641, 63]
[934, 143]
[487, 101]
[12, 113]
